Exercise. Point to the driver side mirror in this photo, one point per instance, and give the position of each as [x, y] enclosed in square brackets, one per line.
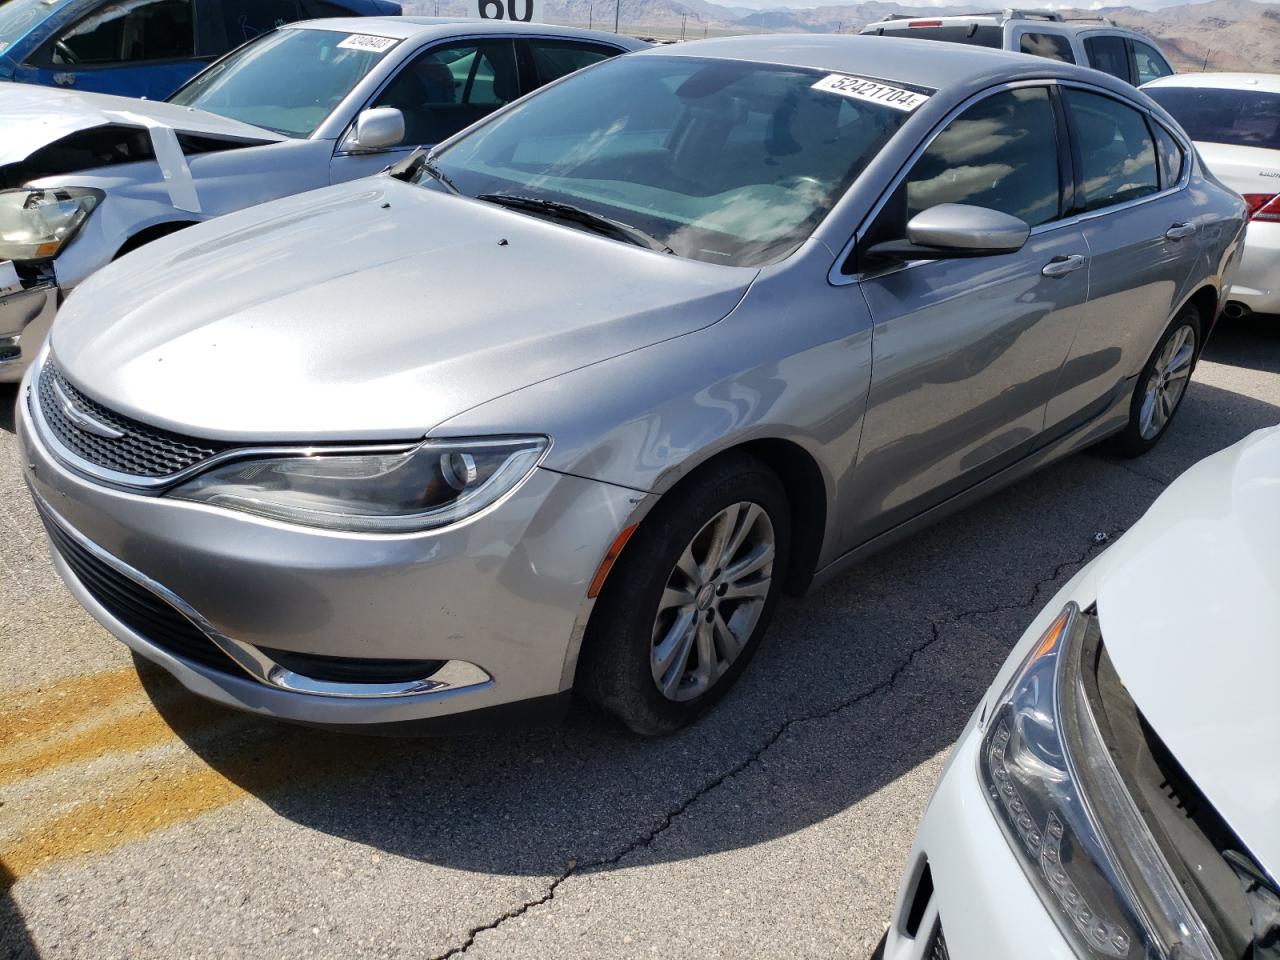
[378, 129]
[952, 230]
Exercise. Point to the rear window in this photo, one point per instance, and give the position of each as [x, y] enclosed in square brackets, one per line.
[1241, 118]
[973, 34]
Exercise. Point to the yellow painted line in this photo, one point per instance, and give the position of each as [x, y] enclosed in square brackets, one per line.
[54, 734]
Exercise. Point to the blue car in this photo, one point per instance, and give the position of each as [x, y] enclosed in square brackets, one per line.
[143, 48]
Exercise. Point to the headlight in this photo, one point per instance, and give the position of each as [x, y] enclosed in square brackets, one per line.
[1067, 814]
[435, 483]
[36, 224]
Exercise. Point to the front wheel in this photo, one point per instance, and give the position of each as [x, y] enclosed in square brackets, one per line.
[690, 599]
[1161, 386]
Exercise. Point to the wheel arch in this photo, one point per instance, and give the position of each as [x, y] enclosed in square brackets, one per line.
[153, 232]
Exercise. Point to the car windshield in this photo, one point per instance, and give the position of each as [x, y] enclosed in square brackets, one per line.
[17, 17]
[287, 81]
[722, 161]
[1242, 118]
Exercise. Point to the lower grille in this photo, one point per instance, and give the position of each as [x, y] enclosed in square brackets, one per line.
[137, 607]
[353, 670]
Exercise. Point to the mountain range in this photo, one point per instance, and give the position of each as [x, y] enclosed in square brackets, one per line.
[1217, 35]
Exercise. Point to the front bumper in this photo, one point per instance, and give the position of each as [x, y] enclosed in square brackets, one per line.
[501, 598]
[1256, 283]
[25, 318]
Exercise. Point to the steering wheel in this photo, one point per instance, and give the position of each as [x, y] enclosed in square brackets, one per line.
[68, 55]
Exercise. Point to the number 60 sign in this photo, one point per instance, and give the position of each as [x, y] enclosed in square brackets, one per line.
[526, 11]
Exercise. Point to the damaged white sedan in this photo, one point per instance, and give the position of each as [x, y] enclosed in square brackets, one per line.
[86, 178]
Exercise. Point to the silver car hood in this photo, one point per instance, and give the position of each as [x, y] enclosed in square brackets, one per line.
[1189, 603]
[32, 117]
[373, 309]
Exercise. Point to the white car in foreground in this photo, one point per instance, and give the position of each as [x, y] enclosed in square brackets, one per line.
[1234, 119]
[1117, 792]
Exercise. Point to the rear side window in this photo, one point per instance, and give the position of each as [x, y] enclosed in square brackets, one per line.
[1148, 63]
[1110, 55]
[1241, 118]
[553, 59]
[1171, 157]
[1051, 45]
[1001, 153]
[246, 19]
[130, 31]
[1117, 156]
[973, 34]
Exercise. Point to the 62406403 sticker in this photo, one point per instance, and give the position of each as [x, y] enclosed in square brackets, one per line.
[860, 88]
[365, 41]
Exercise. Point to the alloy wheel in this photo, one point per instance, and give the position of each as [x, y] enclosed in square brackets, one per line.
[1167, 382]
[713, 600]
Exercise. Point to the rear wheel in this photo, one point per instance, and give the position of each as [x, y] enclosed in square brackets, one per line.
[688, 602]
[1161, 386]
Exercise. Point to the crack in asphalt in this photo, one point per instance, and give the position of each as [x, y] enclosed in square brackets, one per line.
[668, 819]
[1141, 474]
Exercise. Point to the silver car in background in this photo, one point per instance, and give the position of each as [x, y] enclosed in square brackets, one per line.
[568, 403]
[86, 178]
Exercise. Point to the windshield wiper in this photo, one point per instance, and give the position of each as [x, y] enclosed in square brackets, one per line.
[568, 212]
[417, 163]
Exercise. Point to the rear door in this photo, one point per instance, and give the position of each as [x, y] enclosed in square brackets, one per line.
[967, 352]
[1139, 222]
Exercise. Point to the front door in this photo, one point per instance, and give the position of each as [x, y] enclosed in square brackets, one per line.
[967, 352]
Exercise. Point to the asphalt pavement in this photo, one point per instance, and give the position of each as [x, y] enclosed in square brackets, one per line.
[138, 821]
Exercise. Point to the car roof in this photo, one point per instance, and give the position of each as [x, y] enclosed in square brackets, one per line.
[1034, 21]
[928, 63]
[412, 28]
[1267, 82]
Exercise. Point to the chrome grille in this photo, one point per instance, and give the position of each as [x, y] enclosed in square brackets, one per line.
[140, 451]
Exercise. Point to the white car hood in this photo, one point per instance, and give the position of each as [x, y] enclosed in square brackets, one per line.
[1189, 604]
[1243, 169]
[32, 117]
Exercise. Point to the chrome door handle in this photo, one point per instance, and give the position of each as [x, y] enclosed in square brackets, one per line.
[1180, 231]
[1061, 266]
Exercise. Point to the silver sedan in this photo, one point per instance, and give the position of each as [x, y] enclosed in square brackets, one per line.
[568, 403]
[86, 178]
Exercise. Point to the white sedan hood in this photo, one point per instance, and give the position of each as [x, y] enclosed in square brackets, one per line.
[32, 117]
[1189, 603]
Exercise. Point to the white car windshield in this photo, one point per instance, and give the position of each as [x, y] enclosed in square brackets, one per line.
[288, 81]
[721, 161]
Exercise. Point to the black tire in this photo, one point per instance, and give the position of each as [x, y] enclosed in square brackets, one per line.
[1131, 442]
[615, 669]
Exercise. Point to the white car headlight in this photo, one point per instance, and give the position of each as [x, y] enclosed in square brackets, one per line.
[436, 483]
[37, 224]
[1068, 816]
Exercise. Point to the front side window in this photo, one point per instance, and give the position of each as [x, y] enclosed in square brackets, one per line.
[288, 81]
[553, 59]
[1148, 62]
[723, 161]
[1118, 158]
[1001, 153]
[1110, 55]
[450, 87]
[1241, 118]
[246, 19]
[131, 31]
[1051, 45]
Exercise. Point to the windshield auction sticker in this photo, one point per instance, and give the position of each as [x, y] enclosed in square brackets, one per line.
[364, 41]
[860, 88]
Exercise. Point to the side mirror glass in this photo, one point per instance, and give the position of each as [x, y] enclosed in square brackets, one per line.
[378, 129]
[956, 230]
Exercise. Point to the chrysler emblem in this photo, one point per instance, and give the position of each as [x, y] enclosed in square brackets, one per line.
[84, 421]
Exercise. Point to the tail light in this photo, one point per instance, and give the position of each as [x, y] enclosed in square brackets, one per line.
[1263, 207]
